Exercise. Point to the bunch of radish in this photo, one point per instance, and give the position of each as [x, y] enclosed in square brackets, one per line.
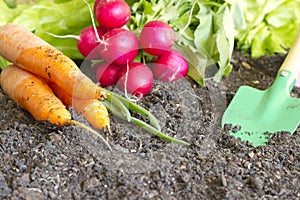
[116, 49]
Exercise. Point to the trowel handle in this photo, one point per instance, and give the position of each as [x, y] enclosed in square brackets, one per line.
[292, 61]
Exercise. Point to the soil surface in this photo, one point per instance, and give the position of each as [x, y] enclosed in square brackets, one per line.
[42, 161]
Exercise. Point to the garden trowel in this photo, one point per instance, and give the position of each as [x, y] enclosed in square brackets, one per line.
[254, 114]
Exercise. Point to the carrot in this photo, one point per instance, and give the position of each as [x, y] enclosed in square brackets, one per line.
[92, 109]
[23, 48]
[35, 96]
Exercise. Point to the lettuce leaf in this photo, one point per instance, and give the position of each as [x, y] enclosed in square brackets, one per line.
[271, 26]
[58, 17]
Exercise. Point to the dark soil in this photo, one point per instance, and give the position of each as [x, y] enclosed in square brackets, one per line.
[42, 161]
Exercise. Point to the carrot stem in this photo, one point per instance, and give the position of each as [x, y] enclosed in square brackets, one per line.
[120, 105]
[143, 124]
[91, 131]
[134, 107]
[156, 132]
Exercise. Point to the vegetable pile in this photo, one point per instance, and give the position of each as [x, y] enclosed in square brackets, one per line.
[43, 81]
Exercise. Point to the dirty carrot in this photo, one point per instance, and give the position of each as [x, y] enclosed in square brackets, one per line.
[23, 48]
[35, 96]
[92, 109]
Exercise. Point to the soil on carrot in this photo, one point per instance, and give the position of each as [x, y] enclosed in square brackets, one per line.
[42, 161]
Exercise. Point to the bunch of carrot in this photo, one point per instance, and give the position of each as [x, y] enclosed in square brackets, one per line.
[43, 81]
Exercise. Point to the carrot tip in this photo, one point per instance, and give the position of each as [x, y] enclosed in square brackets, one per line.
[91, 131]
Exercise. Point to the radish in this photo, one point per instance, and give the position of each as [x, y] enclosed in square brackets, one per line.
[107, 74]
[120, 46]
[95, 5]
[170, 66]
[157, 37]
[136, 78]
[87, 42]
[112, 14]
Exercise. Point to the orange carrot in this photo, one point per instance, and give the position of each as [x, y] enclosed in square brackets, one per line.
[35, 96]
[94, 112]
[92, 109]
[23, 48]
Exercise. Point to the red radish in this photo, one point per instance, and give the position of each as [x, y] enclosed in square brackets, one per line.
[107, 74]
[157, 37]
[136, 78]
[87, 42]
[112, 14]
[95, 5]
[170, 66]
[120, 46]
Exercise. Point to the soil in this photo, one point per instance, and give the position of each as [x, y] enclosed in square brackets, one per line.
[42, 161]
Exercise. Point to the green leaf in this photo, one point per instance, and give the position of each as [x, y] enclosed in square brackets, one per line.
[198, 60]
[180, 24]
[204, 32]
[29, 19]
[224, 40]
[271, 26]
[57, 17]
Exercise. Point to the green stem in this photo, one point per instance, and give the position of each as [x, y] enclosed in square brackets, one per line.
[122, 108]
[136, 108]
[156, 132]
[112, 108]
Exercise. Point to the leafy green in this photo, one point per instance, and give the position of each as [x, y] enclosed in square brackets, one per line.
[58, 17]
[270, 26]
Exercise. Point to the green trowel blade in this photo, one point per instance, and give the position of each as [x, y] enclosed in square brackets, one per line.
[257, 113]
